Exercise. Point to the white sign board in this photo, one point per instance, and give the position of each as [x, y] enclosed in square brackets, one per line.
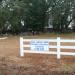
[37, 45]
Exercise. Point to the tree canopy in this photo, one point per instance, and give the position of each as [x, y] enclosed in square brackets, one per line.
[23, 15]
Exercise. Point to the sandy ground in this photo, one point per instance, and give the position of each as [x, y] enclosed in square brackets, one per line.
[31, 64]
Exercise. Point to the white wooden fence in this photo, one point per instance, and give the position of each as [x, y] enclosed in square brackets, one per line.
[58, 47]
[3, 38]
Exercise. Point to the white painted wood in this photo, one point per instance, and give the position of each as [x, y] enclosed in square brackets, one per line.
[58, 47]
[68, 40]
[63, 47]
[3, 38]
[21, 47]
[50, 40]
[67, 47]
[68, 53]
[51, 46]
[26, 45]
[40, 52]
[50, 52]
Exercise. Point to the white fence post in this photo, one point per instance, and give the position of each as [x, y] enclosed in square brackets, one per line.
[21, 47]
[58, 48]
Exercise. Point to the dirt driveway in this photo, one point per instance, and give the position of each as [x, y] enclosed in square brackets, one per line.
[9, 46]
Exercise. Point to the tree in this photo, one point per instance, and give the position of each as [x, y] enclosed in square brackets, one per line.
[62, 13]
[12, 11]
[36, 15]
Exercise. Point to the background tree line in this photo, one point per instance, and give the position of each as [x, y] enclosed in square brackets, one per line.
[18, 16]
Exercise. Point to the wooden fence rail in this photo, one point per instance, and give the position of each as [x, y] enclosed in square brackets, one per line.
[58, 46]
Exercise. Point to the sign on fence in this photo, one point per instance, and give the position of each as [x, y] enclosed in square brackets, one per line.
[39, 45]
[42, 46]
